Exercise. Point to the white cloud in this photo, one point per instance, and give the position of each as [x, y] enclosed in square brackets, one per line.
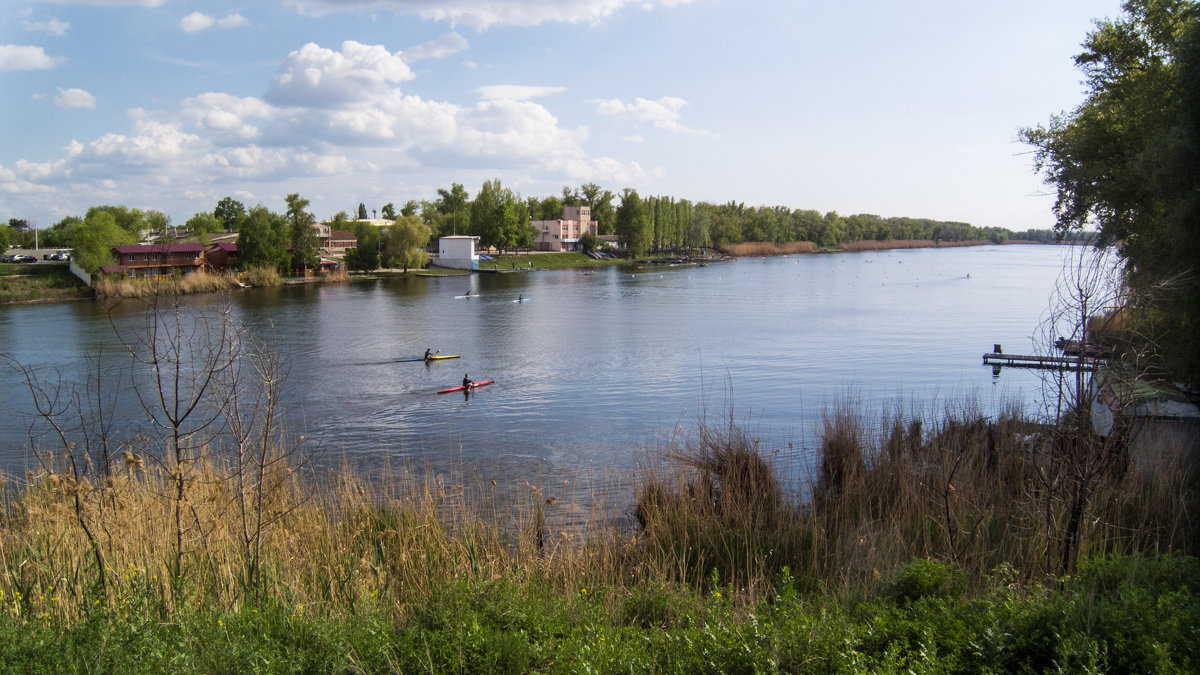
[224, 117]
[314, 76]
[74, 98]
[196, 22]
[662, 113]
[23, 57]
[445, 45]
[332, 122]
[517, 92]
[51, 26]
[233, 21]
[481, 14]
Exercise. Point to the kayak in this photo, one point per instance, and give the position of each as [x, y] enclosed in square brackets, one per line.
[473, 295]
[522, 300]
[460, 387]
[432, 358]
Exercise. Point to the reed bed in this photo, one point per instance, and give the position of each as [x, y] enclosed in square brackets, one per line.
[710, 513]
[200, 281]
[763, 248]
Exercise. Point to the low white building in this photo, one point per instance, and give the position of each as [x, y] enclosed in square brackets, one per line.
[457, 253]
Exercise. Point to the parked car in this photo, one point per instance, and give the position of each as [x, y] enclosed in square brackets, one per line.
[6, 258]
[21, 258]
[61, 255]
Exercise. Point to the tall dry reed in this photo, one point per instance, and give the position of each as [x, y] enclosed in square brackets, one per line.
[763, 248]
[976, 492]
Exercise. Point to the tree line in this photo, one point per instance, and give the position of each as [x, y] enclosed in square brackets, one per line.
[502, 219]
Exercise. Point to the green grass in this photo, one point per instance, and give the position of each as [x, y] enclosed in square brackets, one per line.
[1123, 615]
[39, 283]
[545, 261]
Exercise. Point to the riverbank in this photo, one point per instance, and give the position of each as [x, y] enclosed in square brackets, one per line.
[39, 282]
[926, 553]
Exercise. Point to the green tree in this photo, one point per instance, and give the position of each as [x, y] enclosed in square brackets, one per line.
[203, 224]
[451, 209]
[406, 242]
[589, 242]
[301, 233]
[633, 224]
[603, 212]
[364, 257]
[231, 213]
[389, 211]
[6, 233]
[362, 211]
[1126, 159]
[94, 239]
[62, 233]
[263, 239]
[132, 221]
[410, 208]
[550, 208]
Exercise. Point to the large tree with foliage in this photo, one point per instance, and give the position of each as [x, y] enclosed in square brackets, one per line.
[365, 256]
[263, 239]
[1126, 162]
[452, 214]
[406, 242]
[203, 224]
[633, 224]
[301, 233]
[132, 221]
[231, 213]
[93, 239]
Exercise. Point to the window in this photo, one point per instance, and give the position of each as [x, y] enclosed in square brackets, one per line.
[131, 257]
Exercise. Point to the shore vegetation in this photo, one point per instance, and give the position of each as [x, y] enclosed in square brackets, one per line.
[39, 283]
[214, 542]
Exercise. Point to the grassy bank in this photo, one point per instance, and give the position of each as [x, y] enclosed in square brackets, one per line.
[39, 283]
[1121, 616]
[544, 261]
[946, 546]
[199, 281]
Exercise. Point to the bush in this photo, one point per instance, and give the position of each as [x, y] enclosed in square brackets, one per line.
[925, 579]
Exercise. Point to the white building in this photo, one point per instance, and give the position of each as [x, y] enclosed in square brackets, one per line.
[457, 253]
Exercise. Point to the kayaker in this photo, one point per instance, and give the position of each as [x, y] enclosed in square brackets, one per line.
[428, 354]
[520, 298]
[467, 381]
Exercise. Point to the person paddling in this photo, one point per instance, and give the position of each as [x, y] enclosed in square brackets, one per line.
[467, 381]
[429, 354]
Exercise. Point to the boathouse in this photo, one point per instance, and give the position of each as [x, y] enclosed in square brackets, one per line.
[457, 253]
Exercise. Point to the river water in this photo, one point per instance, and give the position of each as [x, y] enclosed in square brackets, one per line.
[595, 369]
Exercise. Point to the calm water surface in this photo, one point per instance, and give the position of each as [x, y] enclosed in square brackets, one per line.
[596, 368]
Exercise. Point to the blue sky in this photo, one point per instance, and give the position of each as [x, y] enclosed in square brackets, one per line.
[898, 109]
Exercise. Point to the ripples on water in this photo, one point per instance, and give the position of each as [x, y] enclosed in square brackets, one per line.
[595, 370]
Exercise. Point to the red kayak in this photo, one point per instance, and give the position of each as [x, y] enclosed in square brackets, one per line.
[460, 387]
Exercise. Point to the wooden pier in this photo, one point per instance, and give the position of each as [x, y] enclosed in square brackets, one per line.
[998, 358]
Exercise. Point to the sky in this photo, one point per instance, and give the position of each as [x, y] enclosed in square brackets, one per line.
[891, 108]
